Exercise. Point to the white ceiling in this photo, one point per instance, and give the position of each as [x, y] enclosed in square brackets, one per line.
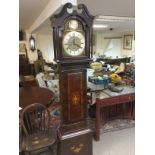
[110, 7]
[29, 10]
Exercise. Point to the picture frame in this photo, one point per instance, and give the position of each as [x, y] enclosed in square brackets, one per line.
[22, 48]
[127, 42]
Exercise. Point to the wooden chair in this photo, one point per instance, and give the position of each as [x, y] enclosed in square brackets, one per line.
[20, 135]
[30, 81]
[36, 122]
[39, 66]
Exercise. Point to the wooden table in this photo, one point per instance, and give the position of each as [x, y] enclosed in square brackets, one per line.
[127, 96]
[30, 95]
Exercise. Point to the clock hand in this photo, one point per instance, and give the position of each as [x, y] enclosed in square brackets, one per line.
[75, 43]
[78, 45]
[69, 44]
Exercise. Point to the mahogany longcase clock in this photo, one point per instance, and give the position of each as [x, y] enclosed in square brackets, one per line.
[72, 36]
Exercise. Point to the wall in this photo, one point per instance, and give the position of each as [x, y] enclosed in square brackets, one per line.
[101, 43]
[113, 47]
[44, 43]
[31, 55]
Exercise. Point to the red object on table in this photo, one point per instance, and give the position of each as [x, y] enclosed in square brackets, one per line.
[30, 95]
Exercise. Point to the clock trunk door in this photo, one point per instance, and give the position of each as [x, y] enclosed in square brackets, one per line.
[73, 95]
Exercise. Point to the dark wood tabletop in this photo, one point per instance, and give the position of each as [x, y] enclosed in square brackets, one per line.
[30, 95]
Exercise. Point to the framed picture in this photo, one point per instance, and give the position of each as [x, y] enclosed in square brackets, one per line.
[22, 48]
[127, 42]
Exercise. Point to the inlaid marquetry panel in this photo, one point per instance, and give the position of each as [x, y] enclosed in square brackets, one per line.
[74, 95]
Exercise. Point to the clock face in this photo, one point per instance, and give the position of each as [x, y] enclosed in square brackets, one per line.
[73, 43]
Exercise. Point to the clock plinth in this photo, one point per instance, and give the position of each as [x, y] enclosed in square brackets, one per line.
[72, 36]
[75, 139]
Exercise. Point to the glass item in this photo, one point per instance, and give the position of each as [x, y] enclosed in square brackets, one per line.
[32, 43]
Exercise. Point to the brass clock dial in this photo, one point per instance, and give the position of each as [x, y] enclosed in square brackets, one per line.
[73, 43]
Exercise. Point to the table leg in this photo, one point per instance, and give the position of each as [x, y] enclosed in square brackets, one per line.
[133, 110]
[98, 117]
[130, 110]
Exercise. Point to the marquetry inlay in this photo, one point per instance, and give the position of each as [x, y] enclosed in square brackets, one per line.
[77, 149]
[75, 99]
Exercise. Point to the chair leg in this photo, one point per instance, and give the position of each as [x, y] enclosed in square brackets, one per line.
[53, 149]
[21, 153]
[27, 153]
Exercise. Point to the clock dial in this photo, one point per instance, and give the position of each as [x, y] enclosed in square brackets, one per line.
[74, 43]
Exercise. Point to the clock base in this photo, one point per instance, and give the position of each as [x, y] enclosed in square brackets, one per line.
[75, 139]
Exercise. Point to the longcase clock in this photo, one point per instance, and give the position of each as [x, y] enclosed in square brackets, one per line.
[72, 36]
